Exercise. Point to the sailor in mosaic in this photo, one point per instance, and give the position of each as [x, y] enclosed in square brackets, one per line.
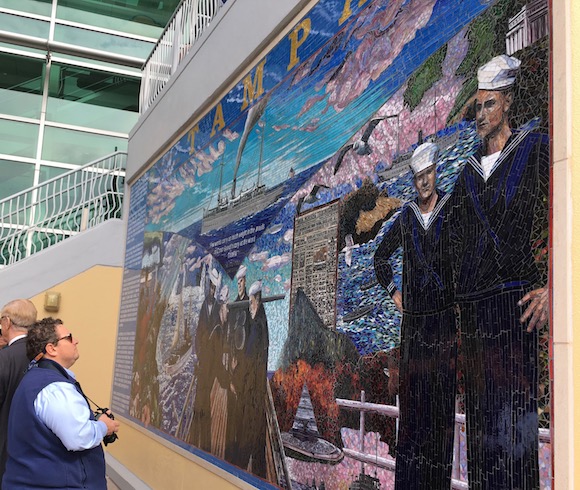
[253, 397]
[502, 300]
[207, 354]
[428, 330]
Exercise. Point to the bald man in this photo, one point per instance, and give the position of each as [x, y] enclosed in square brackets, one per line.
[15, 318]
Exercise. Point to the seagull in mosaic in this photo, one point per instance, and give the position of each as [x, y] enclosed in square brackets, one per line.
[360, 147]
[311, 197]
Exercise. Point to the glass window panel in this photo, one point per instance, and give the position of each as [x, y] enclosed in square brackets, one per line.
[47, 173]
[16, 176]
[102, 41]
[20, 104]
[21, 73]
[17, 138]
[22, 25]
[40, 7]
[142, 17]
[20, 85]
[91, 116]
[96, 64]
[68, 146]
[23, 49]
[93, 99]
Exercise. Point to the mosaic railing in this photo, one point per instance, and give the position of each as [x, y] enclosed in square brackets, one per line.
[48, 213]
[459, 476]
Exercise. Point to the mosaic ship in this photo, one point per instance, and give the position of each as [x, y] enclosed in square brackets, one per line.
[249, 201]
[365, 482]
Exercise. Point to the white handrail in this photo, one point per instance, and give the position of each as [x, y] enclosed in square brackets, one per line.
[186, 25]
[61, 207]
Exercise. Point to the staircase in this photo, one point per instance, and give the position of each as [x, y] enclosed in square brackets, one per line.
[62, 207]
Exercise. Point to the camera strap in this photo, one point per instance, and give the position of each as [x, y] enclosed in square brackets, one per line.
[55, 366]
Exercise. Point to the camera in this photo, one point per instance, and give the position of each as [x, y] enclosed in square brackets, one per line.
[110, 438]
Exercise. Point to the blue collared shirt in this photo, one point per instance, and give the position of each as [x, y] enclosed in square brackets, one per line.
[66, 413]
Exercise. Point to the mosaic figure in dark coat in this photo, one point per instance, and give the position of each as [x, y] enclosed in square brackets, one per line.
[428, 330]
[497, 196]
[253, 365]
[207, 354]
[238, 321]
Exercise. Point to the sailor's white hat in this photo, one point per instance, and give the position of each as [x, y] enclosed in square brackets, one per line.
[241, 272]
[498, 73]
[214, 277]
[224, 293]
[256, 287]
[423, 157]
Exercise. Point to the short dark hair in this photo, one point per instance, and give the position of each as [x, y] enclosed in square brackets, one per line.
[40, 334]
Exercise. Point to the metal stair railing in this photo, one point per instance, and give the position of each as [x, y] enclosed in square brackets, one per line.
[48, 213]
[186, 25]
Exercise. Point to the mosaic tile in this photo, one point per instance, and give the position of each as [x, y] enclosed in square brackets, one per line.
[343, 267]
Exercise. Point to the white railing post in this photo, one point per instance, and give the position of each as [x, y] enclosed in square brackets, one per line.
[362, 431]
[456, 473]
[177, 37]
[31, 222]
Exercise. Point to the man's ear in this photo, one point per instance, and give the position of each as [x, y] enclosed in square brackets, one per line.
[50, 350]
[509, 98]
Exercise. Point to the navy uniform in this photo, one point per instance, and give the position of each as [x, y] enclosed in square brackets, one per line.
[254, 366]
[493, 216]
[428, 344]
[207, 353]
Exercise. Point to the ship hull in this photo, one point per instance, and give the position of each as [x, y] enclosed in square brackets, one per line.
[219, 218]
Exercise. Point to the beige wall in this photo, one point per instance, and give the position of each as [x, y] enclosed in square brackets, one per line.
[575, 238]
[89, 308]
[563, 234]
[159, 466]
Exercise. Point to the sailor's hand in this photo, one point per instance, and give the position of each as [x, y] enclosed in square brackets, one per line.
[398, 300]
[393, 383]
[538, 309]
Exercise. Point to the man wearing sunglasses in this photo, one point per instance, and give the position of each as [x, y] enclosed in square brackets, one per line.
[15, 318]
[54, 440]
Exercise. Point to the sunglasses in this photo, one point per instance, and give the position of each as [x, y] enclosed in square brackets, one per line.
[68, 337]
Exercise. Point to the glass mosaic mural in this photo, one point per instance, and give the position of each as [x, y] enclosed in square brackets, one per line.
[338, 277]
